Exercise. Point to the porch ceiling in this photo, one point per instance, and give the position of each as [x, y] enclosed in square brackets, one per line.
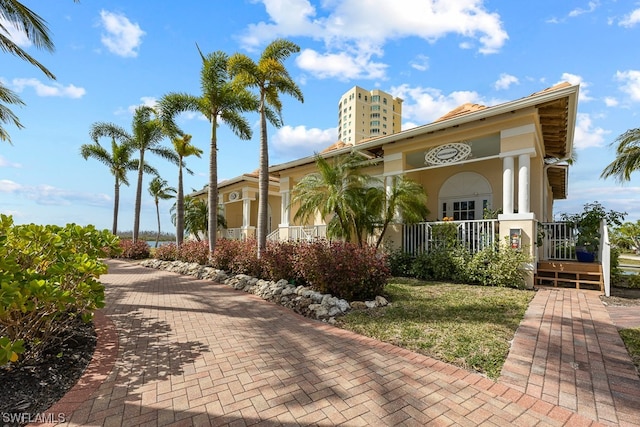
[554, 122]
[557, 176]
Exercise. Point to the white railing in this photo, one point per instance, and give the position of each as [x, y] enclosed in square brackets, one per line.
[558, 240]
[474, 235]
[233, 233]
[274, 236]
[307, 233]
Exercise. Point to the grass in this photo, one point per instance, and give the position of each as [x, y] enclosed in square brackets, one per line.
[631, 338]
[468, 326]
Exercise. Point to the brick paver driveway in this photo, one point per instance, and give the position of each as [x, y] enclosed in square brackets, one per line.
[193, 352]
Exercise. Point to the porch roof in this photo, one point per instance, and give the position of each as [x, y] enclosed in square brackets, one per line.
[556, 106]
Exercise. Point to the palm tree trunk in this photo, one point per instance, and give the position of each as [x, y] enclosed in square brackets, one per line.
[116, 205]
[213, 185]
[263, 183]
[158, 216]
[136, 218]
[180, 208]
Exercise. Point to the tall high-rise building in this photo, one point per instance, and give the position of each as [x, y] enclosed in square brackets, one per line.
[364, 114]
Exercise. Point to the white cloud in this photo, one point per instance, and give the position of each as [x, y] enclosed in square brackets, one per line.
[630, 80]
[301, 141]
[505, 81]
[420, 63]
[121, 37]
[341, 66]
[52, 89]
[4, 163]
[610, 101]
[631, 19]
[15, 34]
[424, 105]
[346, 26]
[593, 5]
[574, 79]
[50, 196]
[587, 135]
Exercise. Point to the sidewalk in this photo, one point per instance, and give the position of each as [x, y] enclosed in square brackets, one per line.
[196, 353]
[567, 352]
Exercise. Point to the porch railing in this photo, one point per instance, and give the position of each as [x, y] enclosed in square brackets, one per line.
[299, 233]
[558, 240]
[233, 234]
[474, 235]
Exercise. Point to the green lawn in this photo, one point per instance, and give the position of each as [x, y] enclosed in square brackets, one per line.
[631, 338]
[468, 326]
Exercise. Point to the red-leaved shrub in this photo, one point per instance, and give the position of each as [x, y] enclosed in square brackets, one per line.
[246, 260]
[278, 261]
[168, 252]
[194, 251]
[224, 253]
[138, 250]
[343, 269]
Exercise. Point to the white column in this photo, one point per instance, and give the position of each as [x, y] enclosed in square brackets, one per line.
[246, 212]
[285, 197]
[507, 185]
[524, 193]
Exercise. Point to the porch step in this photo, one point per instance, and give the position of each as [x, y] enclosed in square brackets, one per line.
[579, 275]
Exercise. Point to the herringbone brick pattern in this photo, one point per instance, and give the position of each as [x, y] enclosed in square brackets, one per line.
[196, 353]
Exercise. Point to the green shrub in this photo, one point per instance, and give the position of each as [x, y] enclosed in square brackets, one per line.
[442, 263]
[399, 262]
[342, 269]
[48, 277]
[168, 252]
[138, 250]
[194, 251]
[499, 266]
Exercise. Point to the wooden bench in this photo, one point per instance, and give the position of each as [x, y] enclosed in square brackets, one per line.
[570, 274]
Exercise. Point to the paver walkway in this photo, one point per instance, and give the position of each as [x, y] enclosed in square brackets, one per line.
[192, 352]
[567, 352]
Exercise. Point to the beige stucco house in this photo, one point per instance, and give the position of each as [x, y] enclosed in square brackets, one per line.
[507, 158]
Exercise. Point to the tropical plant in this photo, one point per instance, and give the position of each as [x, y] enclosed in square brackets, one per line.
[627, 156]
[32, 26]
[271, 78]
[404, 197]
[147, 132]
[627, 236]
[220, 101]
[334, 192]
[196, 217]
[119, 163]
[183, 147]
[587, 223]
[355, 204]
[160, 190]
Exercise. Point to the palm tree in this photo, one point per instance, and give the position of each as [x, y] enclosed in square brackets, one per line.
[183, 148]
[271, 78]
[220, 101]
[627, 156]
[196, 217]
[355, 203]
[147, 132]
[160, 190]
[119, 162]
[407, 198]
[335, 192]
[35, 29]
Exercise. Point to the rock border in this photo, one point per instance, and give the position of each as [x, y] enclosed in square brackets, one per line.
[301, 299]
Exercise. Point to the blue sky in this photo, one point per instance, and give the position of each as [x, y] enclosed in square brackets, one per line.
[112, 56]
